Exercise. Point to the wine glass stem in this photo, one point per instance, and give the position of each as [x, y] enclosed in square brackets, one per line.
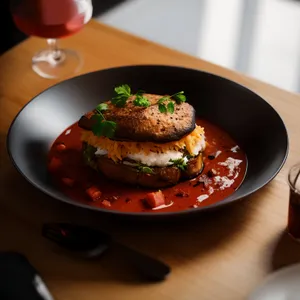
[55, 51]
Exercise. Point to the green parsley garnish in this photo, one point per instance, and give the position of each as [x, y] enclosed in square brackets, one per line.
[180, 163]
[145, 169]
[161, 100]
[104, 128]
[162, 108]
[170, 107]
[178, 97]
[141, 100]
[165, 104]
[89, 155]
[101, 107]
[101, 126]
[166, 108]
[122, 93]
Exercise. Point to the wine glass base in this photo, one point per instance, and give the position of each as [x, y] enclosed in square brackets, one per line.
[62, 63]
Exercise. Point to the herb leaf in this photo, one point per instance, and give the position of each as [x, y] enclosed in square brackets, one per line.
[119, 100]
[163, 99]
[103, 127]
[101, 107]
[145, 169]
[98, 118]
[123, 90]
[180, 163]
[170, 107]
[179, 97]
[122, 93]
[140, 92]
[89, 155]
[141, 100]
[162, 108]
[108, 128]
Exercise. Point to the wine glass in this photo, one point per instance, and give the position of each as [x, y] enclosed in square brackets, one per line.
[52, 19]
[294, 202]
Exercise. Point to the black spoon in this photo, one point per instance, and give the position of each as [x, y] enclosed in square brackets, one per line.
[91, 243]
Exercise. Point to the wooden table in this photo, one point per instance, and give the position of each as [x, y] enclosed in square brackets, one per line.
[221, 255]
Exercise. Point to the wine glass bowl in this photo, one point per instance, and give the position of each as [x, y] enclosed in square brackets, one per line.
[52, 19]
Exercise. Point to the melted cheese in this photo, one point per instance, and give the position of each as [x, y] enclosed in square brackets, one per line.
[117, 150]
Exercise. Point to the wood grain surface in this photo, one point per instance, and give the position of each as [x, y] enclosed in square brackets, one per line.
[222, 255]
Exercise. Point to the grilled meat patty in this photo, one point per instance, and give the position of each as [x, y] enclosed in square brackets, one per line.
[148, 124]
[161, 176]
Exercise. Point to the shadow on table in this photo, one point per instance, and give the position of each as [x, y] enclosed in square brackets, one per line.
[177, 243]
[286, 252]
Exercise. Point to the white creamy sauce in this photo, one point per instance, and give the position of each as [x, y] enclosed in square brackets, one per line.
[162, 206]
[200, 146]
[231, 164]
[235, 149]
[185, 160]
[236, 175]
[193, 179]
[210, 190]
[128, 163]
[223, 181]
[218, 153]
[202, 197]
[154, 159]
[68, 132]
[100, 152]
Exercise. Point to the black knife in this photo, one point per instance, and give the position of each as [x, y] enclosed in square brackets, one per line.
[90, 243]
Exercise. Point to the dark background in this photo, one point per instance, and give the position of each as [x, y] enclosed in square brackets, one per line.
[11, 35]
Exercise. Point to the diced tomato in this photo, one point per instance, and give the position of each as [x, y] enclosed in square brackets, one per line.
[155, 199]
[54, 164]
[61, 147]
[68, 181]
[106, 203]
[94, 193]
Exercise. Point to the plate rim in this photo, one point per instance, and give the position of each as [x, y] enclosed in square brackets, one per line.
[271, 277]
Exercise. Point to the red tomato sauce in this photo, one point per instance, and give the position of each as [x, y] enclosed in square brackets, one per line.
[218, 179]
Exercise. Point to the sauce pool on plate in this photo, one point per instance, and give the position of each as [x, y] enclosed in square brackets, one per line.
[224, 170]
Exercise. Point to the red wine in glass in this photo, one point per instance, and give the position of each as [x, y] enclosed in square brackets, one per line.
[52, 19]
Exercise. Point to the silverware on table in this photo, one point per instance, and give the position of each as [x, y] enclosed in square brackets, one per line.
[90, 243]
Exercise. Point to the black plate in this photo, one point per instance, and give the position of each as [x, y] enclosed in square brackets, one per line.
[250, 120]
